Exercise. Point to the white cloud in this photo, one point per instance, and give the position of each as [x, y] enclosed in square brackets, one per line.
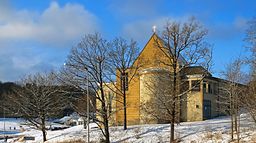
[27, 37]
[55, 25]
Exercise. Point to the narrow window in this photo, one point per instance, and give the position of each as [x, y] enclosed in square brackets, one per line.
[185, 86]
[210, 88]
[195, 85]
[204, 87]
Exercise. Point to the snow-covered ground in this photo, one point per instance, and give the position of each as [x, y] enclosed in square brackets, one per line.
[214, 130]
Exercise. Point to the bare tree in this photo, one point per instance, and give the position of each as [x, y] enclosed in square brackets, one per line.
[231, 91]
[183, 45]
[38, 98]
[121, 58]
[248, 100]
[88, 60]
[250, 40]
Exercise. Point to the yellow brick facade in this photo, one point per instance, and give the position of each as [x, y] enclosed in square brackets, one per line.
[151, 60]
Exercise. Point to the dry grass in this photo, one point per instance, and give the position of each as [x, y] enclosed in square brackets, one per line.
[76, 141]
[209, 135]
[177, 137]
[73, 141]
[160, 138]
[218, 136]
[254, 138]
[137, 132]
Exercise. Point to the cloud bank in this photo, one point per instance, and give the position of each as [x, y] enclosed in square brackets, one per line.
[54, 25]
[36, 41]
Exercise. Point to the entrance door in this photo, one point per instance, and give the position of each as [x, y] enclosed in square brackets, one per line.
[207, 109]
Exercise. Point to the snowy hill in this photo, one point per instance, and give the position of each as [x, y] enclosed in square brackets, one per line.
[215, 130]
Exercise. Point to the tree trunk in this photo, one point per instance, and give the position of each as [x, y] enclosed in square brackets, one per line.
[172, 122]
[124, 96]
[232, 127]
[105, 112]
[173, 103]
[235, 111]
[125, 114]
[231, 112]
[106, 125]
[44, 134]
[172, 133]
[238, 129]
[235, 115]
[43, 128]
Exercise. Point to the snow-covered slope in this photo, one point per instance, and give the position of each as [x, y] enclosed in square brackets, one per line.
[215, 130]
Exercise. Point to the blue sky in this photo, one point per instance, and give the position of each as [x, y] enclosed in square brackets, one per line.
[37, 35]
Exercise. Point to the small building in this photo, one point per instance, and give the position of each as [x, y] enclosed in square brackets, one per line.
[72, 120]
[80, 121]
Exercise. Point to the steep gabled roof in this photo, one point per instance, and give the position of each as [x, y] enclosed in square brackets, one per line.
[181, 59]
[144, 47]
[154, 36]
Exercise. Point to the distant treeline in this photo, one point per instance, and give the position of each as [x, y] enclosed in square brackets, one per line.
[8, 89]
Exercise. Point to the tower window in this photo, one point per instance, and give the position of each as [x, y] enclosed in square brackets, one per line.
[185, 86]
[195, 85]
[204, 87]
[210, 88]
